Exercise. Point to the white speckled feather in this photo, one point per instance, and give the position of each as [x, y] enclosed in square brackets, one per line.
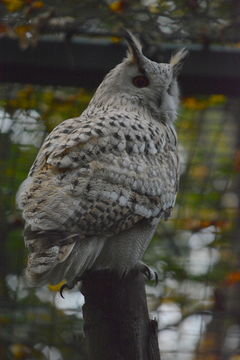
[102, 181]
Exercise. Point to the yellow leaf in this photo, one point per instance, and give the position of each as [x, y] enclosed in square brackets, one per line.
[208, 213]
[200, 171]
[217, 99]
[235, 357]
[195, 104]
[118, 6]
[116, 39]
[14, 5]
[20, 351]
[21, 30]
[154, 9]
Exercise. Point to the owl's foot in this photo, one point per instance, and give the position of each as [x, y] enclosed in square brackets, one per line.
[69, 286]
[148, 272]
[65, 286]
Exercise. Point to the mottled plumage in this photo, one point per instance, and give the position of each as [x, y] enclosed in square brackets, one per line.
[102, 181]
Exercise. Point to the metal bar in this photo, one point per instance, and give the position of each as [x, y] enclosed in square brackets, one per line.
[83, 62]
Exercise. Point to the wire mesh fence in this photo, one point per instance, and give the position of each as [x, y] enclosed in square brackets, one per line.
[196, 252]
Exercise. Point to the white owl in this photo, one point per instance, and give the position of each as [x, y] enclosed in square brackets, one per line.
[101, 182]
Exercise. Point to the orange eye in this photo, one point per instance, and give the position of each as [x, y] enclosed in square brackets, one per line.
[140, 81]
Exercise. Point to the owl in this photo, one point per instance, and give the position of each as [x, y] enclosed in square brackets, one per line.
[103, 181]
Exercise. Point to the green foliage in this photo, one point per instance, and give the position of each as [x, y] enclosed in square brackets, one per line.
[53, 104]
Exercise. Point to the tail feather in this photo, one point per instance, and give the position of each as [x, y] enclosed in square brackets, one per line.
[56, 256]
[82, 258]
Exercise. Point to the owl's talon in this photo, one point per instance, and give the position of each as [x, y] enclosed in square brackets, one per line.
[69, 286]
[64, 286]
[149, 273]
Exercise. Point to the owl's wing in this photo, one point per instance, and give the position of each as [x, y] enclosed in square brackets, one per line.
[93, 179]
[64, 141]
[90, 169]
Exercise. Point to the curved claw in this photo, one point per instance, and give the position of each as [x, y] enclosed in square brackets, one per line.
[150, 274]
[64, 286]
[68, 286]
[156, 278]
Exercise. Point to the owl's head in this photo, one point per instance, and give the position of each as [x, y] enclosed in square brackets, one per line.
[142, 82]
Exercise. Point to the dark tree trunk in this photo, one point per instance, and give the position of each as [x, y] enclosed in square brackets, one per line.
[116, 319]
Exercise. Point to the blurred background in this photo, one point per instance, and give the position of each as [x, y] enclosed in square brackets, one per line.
[53, 54]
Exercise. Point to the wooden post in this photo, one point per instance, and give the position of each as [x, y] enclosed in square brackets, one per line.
[116, 319]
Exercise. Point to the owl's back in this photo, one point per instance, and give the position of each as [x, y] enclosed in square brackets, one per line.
[96, 176]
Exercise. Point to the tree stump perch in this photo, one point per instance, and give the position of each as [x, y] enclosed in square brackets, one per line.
[116, 319]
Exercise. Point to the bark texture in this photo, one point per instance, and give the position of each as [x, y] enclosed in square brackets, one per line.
[116, 319]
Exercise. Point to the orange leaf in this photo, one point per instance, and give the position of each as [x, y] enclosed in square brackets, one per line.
[3, 28]
[233, 278]
[118, 6]
[237, 160]
[38, 4]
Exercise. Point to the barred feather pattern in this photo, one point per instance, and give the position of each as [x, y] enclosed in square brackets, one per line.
[99, 186]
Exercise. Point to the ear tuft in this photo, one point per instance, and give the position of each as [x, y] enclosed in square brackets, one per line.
[134, 47]
[177, 60]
